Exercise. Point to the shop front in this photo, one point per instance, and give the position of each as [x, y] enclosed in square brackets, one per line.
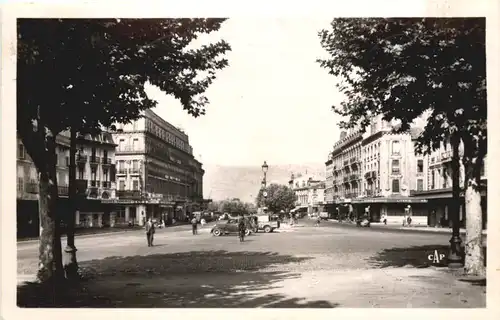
[395, 208]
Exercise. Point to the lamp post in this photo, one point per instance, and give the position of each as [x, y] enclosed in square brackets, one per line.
[265, 167]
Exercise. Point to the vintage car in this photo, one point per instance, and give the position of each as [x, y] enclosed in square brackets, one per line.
[223, 227]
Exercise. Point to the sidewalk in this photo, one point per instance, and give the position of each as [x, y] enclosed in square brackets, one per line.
[398, 227]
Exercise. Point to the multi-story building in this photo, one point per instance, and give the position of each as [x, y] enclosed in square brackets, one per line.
[310, 193]
[439, 187]
[343, 173]
[157, 174]
[391, 169]
[95, 182]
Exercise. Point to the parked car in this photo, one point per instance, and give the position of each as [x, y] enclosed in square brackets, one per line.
[223, 227]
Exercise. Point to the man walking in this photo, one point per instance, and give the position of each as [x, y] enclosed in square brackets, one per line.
[150, 231]
[194, 224]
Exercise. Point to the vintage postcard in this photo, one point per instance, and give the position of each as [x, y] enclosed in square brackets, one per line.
[209, 156]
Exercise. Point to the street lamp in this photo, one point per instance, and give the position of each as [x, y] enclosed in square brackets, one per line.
[265, 167]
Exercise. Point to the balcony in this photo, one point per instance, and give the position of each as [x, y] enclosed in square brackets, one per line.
[32, 187]
[129, 194]
[370, 193]
[95, 183]
[346, 179]
[106, 184]
[130, 149]
[351, 195]
[353, 177]
[94, 160]
[106, 161]
[121, 171]
[80, 158]
[446, 156]
[346, 163]
[135, 170]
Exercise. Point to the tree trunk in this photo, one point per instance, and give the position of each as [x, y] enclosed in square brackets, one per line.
[50, 258]
[70, 263]
[474, 258]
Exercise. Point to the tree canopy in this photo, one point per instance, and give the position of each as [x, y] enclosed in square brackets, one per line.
[279, 197]
[404, 67]
[90, 73]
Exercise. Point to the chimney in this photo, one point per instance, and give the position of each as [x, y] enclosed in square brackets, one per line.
[343, 134]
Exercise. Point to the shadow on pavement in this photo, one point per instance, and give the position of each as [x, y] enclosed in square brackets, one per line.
[189, 279]
[416, 256]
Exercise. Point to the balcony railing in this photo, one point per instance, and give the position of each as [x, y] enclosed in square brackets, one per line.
[106, 184]
[135, 170]
[129, 194]
[446, 156]
[106, 161]
[370, 193]
[121, 171]
[346, 179]
[351, 195]
[95, 183]
[130, 149]
[32, 187]
[353, 177]
[94, 160]
[81, 158]
[346, 163]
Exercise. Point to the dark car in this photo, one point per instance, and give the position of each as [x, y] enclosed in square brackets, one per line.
[223, 227]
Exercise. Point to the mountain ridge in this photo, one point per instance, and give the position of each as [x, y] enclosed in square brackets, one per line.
[243, 182]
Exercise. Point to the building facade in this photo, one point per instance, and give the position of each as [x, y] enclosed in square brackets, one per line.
[375, 172]
[157, 174]
[310, 194]
[94, 182]
[439, 187]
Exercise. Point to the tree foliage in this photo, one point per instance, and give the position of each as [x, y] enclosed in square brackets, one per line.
[279, 197]
[403, 68]
[90, 73]
[233, 206]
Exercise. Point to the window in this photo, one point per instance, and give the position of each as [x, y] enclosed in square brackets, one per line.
[135, 125]
[395, 185]
[93, 174]
[121, 144]
[135, 165]
[135, 185]
[105, 174]
[105, 156]
[395, 167]
[420, 166]
[445, 178]
[20, 184]
[21, 151]
[135, 144]
[80, 173]
[420, 185]
[433, 179]
[121, 185]
[93, 152]
[396, 148]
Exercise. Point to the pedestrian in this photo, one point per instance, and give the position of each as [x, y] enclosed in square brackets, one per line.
[241, 228]
[318, 221]
[150, 231]
[194, 224]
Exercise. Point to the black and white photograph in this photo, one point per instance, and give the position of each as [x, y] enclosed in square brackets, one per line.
[258, 161]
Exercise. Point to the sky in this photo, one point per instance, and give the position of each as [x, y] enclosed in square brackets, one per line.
[273, 102]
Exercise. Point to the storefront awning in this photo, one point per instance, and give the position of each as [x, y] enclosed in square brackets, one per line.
[392, 199]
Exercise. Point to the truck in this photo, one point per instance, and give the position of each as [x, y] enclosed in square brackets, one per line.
[267, 221]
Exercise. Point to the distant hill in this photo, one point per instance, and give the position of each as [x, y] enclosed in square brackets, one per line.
[243, 182]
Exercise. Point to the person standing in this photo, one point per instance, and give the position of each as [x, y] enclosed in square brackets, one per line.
[150, 231]
[241, 228]
[194, 224]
